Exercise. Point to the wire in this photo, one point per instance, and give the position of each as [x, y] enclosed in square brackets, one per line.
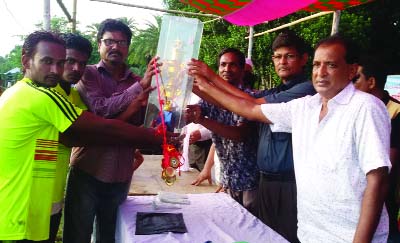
[12, 16]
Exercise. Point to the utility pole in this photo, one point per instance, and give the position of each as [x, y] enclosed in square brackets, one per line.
[46, 15]
[74, 16]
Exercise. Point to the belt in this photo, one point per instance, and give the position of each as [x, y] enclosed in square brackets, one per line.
[283, 176]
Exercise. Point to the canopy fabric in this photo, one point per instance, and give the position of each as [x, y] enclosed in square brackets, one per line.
[332, 5]
[259, 11]
[252, 12]
[218, 7]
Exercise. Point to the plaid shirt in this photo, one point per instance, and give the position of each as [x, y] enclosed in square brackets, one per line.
[239, 170]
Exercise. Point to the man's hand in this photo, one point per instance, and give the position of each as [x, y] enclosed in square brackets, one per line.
[204, 175]
[174, 139]
[150, 71]
[137, 159]
[194, 136]
[200, 83]
[196, 67]
[220, 189]
[143, 97]
[193, 114]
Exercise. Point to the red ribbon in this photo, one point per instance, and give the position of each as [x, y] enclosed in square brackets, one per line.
[170, 153]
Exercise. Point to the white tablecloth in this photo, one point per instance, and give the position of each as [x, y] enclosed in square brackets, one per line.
[212, 217]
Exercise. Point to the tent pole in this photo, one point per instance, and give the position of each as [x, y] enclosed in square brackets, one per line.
[335, 22]
[251, 35]
[292, 23]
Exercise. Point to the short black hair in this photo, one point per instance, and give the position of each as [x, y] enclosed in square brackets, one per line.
[78, 42]
[111, 25]
[288, 38]
[373, 66]
[236, 52]
[30, 43]
[351, 48]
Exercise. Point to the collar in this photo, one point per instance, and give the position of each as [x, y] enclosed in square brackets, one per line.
[301, 78]
[101, 67]
[342, 98]
[386, 97]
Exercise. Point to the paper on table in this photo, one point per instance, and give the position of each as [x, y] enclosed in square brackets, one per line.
[172, 197]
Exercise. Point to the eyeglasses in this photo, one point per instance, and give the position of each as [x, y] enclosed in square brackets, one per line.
[289, 57]
[110, 42]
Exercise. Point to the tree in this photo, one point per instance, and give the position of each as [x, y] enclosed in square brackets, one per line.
[58, 24]
[144, 45]
[11, 60]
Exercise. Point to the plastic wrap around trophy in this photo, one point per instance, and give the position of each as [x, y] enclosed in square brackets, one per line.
[179, 42]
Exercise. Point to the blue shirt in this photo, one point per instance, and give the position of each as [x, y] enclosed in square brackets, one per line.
[274, 153]
[239, 170]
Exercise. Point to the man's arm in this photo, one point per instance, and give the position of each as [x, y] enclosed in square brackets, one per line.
[135, 105]
[90, 129]
[205, 173]
[372, 204]
[152, 68]
[238, 133]
[93, 88]
[242, 107]
[199, 67]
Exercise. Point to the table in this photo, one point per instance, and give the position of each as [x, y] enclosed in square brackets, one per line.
[212, 217]
[147, 180]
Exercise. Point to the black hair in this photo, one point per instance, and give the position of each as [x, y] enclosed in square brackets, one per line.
[111, 25]
[373, 66]
[288, 38]
[236, 52]
[30, 43]
[78, 42]
[351, 48]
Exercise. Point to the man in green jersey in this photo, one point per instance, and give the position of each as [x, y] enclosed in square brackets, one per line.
[32, 116]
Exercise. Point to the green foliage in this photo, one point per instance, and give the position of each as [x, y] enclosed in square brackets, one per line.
[144, 46]
[57, 24]
[10, 61]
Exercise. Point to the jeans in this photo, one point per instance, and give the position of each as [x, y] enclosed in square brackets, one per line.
[87, 198]
[277, 204]
[54, 225]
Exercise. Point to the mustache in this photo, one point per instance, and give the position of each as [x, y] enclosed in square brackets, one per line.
[53, 76]
[74, 74]
[114, 52]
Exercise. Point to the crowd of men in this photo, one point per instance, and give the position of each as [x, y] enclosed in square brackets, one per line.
[310, 159]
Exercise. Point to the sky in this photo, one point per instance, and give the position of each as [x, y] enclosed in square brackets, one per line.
[18, 17]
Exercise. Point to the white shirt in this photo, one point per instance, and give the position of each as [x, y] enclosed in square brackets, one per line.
[187, 130]
[332, 158]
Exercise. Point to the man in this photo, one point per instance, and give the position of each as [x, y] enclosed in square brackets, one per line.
[32, 115]
[78, 51]
[340, 148]
[277, 187]
[371, 78]
[234, 143]
[100, 177]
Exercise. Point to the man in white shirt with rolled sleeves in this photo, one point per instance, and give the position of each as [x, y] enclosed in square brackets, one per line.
[340, 148]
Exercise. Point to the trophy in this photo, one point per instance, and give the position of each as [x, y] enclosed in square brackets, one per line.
[179, 42]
